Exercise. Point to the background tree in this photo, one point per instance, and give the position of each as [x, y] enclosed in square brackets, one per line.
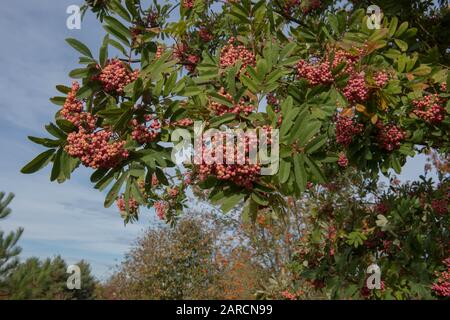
[8, 244]
[168, 263]
[47, 279]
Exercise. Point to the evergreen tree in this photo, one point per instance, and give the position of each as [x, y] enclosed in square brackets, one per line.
[8, 244]
[47, 279]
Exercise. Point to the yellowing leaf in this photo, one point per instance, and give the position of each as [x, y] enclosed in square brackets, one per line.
[374, 119]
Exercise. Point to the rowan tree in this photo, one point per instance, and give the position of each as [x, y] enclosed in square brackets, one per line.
[342, 90]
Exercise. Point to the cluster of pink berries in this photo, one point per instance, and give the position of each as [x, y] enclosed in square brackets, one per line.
[115, 76]
[389, 136]
[342, 161]
[305, 6]
[442, 285]
[318, 73]
[94, 149]
[179, 50]
[159, 51]
[232, 53]
[143, 133]
[191, 62]
[133, 205]
[346, 129]
[187, 178]
[440, 206]
[381, 78]
[356, 89]
[242, 173]
[221, 109]
[186, 122]
[173, 192]
[155, 181]
[161, 209]
[72, 110]
[188, 4]
[288, 295]
[430, 108]
[381, 208]
[348, 58]
[271, 99]
[204, 34]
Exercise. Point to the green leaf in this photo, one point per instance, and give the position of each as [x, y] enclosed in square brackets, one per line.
[66, 125]
[59, 101]
[285, 170]
[104, 51]
[259, 199]
[114, 192]
[308, 131]
[300, 172]
[231, 201]
[316, 144]
[315, 170]
[401, 44]
[84, 92]
[120, 10]
[56, 169]
[117, 34]
[55, 131]
[118, 26]
[393, 26]
[401, 29]
[79, 73]
[80, 47]
[45, 142]
[217, 121]
[39, 162]
[63, 89]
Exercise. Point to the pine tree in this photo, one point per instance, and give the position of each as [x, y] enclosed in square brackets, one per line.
[8, 244]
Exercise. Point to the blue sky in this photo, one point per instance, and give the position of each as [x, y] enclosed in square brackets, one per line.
[67, 219]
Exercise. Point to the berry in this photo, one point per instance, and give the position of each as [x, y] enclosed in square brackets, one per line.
[133, 205]
[242, 173]
[440, 206]
[143, 133]
[389, 136]
[188, 4]
[204, 34]
[381, 78]
[356, 89]
[232, 53]
[346, 129]
[192, 61]
[161, 209]
[342, 161]
[72, 111]
[315, 74]
[430, 108]
[186, 122]
[95, 149]
[442, 285]
[116, 76]
[221, 109]
[155, 181]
